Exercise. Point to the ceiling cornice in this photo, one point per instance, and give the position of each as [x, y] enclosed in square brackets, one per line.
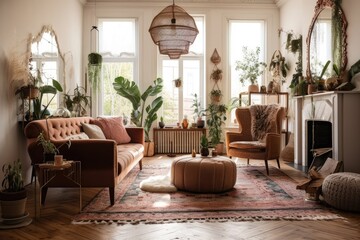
[280, 3]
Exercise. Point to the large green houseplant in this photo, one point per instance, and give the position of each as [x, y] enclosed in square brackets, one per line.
[41, 110]
[130, 90]
[216, 117]
[13, 194]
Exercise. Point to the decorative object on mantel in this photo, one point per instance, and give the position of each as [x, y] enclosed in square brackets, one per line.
[173, 30]
[250, 68]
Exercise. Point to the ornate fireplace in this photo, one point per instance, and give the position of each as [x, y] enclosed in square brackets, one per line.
[341, 110]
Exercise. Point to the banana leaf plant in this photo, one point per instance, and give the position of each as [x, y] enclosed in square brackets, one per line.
[40, 113]
[129, 90]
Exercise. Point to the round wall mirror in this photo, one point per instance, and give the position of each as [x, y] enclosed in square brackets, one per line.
[326, 39]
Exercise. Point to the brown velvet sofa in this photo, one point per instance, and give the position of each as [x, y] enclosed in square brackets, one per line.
[104, 163]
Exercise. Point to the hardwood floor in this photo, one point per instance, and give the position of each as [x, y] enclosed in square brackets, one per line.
[62, 204]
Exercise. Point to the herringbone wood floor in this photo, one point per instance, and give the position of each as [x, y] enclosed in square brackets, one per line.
[62, 204]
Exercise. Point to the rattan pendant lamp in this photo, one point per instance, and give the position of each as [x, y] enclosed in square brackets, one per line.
[173, 30]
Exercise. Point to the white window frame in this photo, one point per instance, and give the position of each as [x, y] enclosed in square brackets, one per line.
[118, 59]
[190, 56]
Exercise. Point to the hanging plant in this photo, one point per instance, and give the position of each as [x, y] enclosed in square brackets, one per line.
[94, 69]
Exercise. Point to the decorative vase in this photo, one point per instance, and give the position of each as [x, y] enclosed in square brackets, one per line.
[161, 124]
[13, 204]
[253, 88]
[200, 123]
[311, 88]
[204, 152]
[185, 123]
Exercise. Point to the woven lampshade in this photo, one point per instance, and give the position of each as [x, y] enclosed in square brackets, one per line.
[173, 30]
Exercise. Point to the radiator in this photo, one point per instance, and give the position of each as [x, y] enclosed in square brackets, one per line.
[177, 140]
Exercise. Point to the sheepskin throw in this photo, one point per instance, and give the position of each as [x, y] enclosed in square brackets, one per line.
[263, 120]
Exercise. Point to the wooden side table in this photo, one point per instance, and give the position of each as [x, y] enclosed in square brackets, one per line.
[69, 174]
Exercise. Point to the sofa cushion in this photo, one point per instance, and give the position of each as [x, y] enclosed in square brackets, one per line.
[79, 136]
[113, 128]
[126, 153]
[93, 131]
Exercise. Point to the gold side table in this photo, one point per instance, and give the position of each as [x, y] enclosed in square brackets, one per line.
[68, 174]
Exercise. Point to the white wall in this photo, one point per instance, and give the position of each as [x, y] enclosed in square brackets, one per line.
[296, 16]
[18, 19]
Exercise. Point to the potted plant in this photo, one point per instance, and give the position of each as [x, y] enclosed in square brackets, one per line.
[250, 68]
[177, 82]
[78, 102]
[13, 194]
[204, 146]
[39, 112]
[216, 74]
[161, 123]
[216, 117]
[198, 112]
[49, 148]
[129, 90]
[294, 45]
[216, 95]
[94, 69]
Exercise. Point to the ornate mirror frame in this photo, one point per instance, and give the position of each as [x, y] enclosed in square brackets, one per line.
[319, 7]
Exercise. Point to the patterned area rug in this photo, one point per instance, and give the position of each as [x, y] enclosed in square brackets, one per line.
[255, 196]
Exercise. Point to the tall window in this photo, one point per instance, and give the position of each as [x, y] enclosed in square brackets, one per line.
[244, 33]
[190, 69]
[120, 58]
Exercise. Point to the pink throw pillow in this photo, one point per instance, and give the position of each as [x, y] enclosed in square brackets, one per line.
[113, 128]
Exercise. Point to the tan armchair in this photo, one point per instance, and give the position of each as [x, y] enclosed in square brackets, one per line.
[244, 144]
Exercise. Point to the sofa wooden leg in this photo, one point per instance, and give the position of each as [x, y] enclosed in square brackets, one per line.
[140, 164]
[248, 161]
[112, 195]
[267, 167]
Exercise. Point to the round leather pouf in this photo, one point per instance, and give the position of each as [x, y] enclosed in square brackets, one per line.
[203, 174]
[342, 191]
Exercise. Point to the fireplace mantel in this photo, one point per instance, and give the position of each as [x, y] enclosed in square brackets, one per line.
[342, 109]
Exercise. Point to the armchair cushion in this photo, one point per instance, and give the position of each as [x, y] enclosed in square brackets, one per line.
[113, 128]
[256, 145]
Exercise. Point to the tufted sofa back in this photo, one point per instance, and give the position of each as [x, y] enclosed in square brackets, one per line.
[58, 128]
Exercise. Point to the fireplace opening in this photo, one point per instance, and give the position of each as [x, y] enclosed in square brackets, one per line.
[319, 138]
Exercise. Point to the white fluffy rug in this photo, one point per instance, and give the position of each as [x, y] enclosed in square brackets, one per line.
[158, 184]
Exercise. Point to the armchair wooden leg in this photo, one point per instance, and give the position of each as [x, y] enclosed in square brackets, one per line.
[278, 163]
[112, 195]
[140, 164]
[267, 167]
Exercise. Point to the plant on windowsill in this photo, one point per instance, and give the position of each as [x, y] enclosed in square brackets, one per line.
[129, 90]
[199, 112]
[78, 102]
[13, 194]
[250, 68]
